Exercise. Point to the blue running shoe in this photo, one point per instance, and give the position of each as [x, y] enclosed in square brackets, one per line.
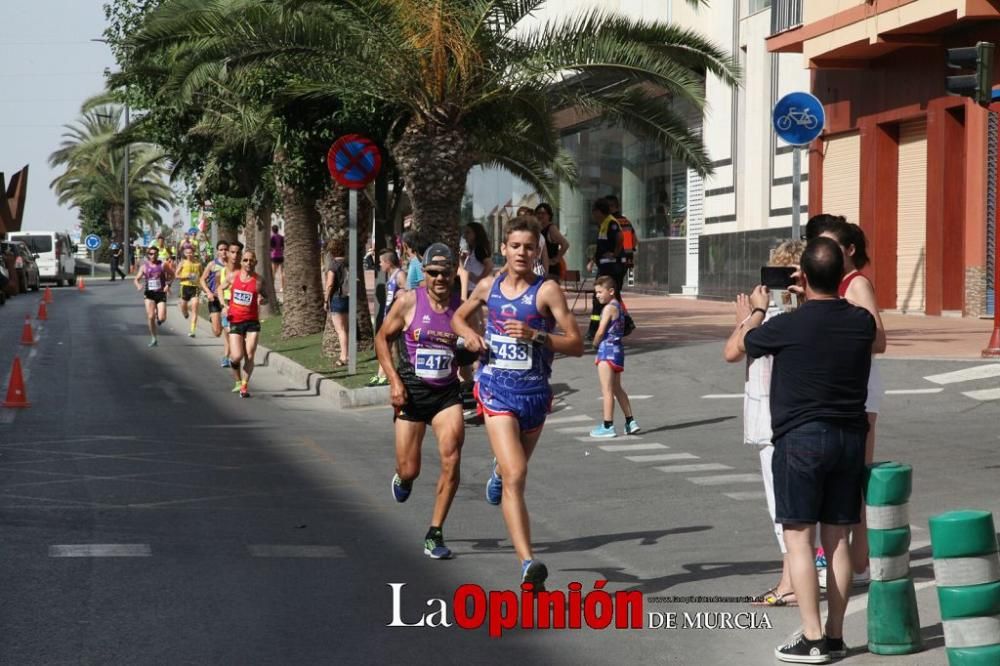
[820, 558]
[401, 489]
[435, 549]
[494, 486]
[225, 362]
[534, 572]
[632, 427]
[600, 432]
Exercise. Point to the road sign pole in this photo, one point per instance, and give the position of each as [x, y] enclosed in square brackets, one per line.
[796, 190]
[352, 302]
[93, 260]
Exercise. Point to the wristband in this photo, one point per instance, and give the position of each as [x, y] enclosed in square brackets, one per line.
[760, 310]
[540, 337]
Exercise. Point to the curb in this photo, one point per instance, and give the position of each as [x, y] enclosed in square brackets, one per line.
[344, 398]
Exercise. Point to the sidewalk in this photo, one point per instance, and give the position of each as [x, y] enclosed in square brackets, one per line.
[673, 320]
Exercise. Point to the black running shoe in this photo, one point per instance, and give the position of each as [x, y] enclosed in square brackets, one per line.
[801, 650]
[534, 572]
[836, 647]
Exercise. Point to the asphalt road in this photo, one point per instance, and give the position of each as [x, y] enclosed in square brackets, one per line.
[150, 516]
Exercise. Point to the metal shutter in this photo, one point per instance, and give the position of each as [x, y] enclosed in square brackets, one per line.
[695, 226]
[842, 176]
[911, 225]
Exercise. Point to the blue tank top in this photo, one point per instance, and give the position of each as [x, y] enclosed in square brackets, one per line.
[213, 274]
[515, 365]
[391, 287]
[616, 329]
[430, 343]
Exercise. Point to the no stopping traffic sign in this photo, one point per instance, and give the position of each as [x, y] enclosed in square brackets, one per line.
[354, 161]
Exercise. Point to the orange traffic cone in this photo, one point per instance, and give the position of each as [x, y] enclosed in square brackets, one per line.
[48, 295]
[27, 336]
[42, 312]
[16, 397]
[79, 284]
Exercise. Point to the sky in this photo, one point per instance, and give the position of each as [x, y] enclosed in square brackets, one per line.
[48, 67]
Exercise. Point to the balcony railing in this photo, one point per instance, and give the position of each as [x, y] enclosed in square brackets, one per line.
[785, 15]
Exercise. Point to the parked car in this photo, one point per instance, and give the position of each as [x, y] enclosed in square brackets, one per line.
[53, 251]
[28, 276]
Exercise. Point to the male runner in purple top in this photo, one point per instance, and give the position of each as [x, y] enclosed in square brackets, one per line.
[425, 386]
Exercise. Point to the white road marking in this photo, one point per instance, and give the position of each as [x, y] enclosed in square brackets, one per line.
[662, 457]
[722, 479]
[967, 375]
[722, 396]
[101, 550]
[747, 495]
[703, 467]
[984, 394]
[281, 550]
[633, 397]
[577, 429]
[619, 438]
[913, 391]
[566, 419]
[614, 448]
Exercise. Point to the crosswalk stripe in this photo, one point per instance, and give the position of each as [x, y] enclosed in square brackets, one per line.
[101, 550]
[567, 419]
[721, 396]
[747, 495]
[662, 457]
[634, 397]
[967, 375]
[615, 448]
[288, 550]
[576, 429]
[913, 391]
[619, 438]
[703, 467]
[721, 479]
[984, 394]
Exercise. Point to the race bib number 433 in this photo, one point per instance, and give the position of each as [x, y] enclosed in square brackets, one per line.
[433, 363]
[510, 353]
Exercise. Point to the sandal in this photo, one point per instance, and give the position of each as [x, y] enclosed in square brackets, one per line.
[339, 364]
[774, 600]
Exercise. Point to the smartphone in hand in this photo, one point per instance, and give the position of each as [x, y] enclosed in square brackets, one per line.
[777, 277]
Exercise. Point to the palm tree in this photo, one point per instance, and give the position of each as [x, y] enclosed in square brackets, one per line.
[465, 81]
[95, 171]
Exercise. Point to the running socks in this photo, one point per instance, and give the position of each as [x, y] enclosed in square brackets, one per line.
[629, 420]
[608, 424]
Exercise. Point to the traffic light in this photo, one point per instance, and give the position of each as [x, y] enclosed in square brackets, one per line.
[978, 58]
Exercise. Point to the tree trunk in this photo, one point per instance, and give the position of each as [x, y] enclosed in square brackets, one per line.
[116, 220]
[333, 210]
[250, 231]
[435, 162]
[258, 221]
[304, 312]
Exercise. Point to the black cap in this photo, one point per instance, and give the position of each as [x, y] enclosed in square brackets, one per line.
[439, 255]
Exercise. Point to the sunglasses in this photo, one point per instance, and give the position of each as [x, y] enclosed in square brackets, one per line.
[437, 274]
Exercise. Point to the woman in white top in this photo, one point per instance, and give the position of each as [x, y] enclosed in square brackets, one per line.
[478, 261]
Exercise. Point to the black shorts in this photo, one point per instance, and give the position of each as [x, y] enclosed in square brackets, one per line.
[277, 260]
[819, 472]
[244, 327]
[156, 296]
[215, 305]
[187, 293]
[425, 402]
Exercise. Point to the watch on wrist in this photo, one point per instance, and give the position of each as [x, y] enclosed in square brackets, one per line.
[760, 310]
[540, 337]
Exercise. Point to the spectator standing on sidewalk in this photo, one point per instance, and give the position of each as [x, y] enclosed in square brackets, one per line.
[822, 357]
[630, 241]
[277, 257]
[757, 411]
[116, 258]
[607, 256]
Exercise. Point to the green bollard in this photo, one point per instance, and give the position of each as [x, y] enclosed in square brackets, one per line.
[893, 620]
[967, 573]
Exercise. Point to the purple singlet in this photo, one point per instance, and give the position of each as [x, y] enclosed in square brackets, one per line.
[430, 342]
[154, 276]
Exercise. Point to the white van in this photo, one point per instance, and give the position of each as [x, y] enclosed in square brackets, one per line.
[53, 251]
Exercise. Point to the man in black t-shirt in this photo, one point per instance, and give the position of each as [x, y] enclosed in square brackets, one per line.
[819, 382]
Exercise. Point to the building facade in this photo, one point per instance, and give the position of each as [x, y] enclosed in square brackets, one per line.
[914, 166]
[698, 236]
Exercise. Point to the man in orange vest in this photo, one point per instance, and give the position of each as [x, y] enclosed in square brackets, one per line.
[630, 242]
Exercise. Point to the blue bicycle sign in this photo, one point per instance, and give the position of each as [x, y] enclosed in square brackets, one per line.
[798, 118]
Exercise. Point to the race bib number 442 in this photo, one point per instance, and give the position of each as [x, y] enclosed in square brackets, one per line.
[433, 363]
[242, 297]
[509, 353]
